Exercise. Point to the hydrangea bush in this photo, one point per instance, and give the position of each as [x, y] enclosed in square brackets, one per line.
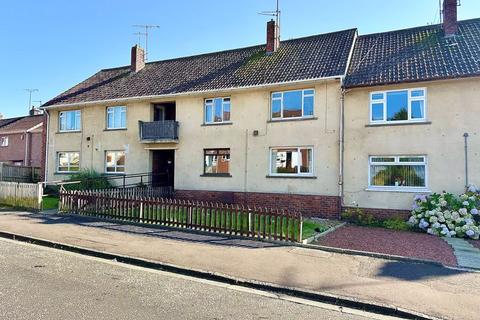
[447, 215]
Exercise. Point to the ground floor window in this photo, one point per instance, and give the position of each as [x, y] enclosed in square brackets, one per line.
[68, 162]
[216, 162]
[398, 171]
[291, 161]
[115, 161]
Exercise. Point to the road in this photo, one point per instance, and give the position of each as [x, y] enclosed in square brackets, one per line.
[44, 283]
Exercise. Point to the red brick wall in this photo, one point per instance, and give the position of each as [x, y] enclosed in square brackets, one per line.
[308, 205]
[383, 214]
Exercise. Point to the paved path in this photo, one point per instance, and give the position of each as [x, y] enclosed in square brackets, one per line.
[42, 283]
[467, 255]
[428, 289]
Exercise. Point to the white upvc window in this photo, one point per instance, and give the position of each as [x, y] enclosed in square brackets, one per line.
[70, 121]
[291, 161]
[68, 162]
[407, 173]
[117, 117]
[3, 141]
[217, 110]
[292, 104]
[115, 162]
[397, 106]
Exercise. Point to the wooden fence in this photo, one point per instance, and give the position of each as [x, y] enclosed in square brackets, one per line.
[13, 173]
[25, 195]
[205, 216]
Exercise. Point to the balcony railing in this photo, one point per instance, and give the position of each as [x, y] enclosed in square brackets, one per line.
[158, 131]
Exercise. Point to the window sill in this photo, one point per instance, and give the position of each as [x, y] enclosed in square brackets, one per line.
[70, 172]
[387, 124]
[115, 129]
[226, 123]
[292, 119]
[290, 177]
[401, 190]
[73, 131]
[216, 175]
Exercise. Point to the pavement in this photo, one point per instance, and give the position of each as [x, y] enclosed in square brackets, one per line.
[43, 283]
[425, 288]
[467, 255]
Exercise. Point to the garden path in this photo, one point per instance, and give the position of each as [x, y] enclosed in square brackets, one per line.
[467, 255]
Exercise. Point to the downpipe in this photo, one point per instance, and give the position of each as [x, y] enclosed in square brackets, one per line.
[465, 136]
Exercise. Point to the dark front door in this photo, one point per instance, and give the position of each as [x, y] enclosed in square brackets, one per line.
[163, 167]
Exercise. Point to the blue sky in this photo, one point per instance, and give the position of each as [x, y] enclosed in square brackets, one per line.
[52, 45]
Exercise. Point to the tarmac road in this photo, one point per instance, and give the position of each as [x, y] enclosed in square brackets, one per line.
[44, 283]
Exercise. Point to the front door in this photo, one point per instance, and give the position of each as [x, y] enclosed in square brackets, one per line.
[163, 166]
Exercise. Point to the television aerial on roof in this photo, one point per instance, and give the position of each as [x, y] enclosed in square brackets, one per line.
[275, 14]
[147, 27]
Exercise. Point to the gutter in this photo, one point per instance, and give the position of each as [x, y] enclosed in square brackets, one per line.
[189, 93]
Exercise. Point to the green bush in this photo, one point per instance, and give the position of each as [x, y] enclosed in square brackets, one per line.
[396, 224]
[89, 179]
[359, 217]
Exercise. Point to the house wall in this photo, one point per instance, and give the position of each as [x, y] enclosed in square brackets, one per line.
[15, 151]
[249, 167]
[452, 108]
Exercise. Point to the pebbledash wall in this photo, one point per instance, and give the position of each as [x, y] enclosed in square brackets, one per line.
[452, 109]
[250, 154]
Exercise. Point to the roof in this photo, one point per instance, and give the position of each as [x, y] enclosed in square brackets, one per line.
[4, 122]
[416, 54]
[22, 124]
[314, 57]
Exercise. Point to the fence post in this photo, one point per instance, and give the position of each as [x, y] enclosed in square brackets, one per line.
[1, 171]
[40, 195]
[249, 220]
[141, 210]
[301, 229]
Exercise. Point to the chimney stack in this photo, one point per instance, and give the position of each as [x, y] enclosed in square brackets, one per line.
[137, 58]
[273, 37]
[450, 23]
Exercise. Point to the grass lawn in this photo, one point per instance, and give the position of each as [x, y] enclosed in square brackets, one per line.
[310, 227]
[50, 202]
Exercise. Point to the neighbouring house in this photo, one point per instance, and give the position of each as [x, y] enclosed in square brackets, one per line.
[22, 140]
[312, 124]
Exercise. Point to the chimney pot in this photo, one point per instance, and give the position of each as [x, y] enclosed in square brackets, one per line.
[273, 37]
[137, 58]
[450, 22]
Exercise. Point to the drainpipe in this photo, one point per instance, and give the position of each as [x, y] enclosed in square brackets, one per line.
[465, 136]
[47, 127]
[341, 144]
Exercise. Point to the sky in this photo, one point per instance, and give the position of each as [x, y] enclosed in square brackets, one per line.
[51, 45]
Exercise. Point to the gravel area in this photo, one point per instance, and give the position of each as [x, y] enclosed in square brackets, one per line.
[475, 243]
[400, 243]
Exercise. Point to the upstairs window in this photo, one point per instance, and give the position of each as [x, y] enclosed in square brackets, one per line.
[70, 121]
[68, 162]
[397, 106]
[3, 141]
[217, 110]
[216, 162]
[115, 162]
[398, 172]
[292, 104]
[291, 161]
[117, 117]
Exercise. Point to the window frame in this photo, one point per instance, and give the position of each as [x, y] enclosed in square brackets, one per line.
[115, 165]
[57, 168]
[223, 174]
[213, 122]
[298, 174]
[397, 162]
[410, 99]
[303, 116]
[4, 141]
[78, 116]
[123, 110]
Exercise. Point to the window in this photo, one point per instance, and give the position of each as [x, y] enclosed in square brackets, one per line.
[115, 162]
[292, 104]
[4, 142]
[398, 105]
[291, 161]
[70, 120]
[116, 117]
[68, 162]
[398, 172]
[217, 110]
[216, 162]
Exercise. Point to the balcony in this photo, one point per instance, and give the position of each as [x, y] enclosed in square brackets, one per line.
[165, 131]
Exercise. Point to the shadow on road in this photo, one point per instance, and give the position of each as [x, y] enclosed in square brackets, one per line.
[415, 271]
